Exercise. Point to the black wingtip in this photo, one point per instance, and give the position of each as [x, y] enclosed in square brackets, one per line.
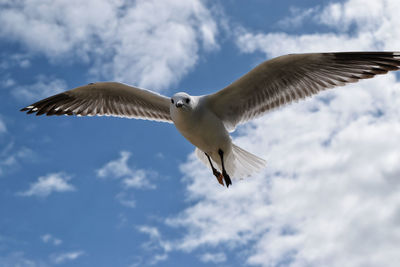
[47, 105]
[29, 109]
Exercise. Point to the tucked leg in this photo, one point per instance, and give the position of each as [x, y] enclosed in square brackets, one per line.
[215, 172]
[227, 179]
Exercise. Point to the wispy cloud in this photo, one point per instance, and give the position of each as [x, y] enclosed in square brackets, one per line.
[157, 244]
[125, 43]
[43, 87]
[11, 156]
[15, 60]
[45, 185]
[213, 257]
[131, 177]
[126, 199]
[67, 256]
[355, 26]
[3, 128]
[298, 17]
[49, 239]
[18, 258]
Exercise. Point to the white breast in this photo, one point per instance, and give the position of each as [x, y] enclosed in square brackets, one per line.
[202, 128]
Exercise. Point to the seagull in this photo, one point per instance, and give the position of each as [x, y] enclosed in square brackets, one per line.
[206, 121]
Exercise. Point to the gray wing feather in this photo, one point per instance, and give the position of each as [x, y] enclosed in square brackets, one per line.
[105, 99]
[290, 78]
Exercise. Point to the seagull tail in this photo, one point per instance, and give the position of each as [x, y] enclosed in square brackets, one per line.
[239, 164]
[242, 163]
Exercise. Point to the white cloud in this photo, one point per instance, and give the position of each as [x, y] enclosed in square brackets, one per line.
[7, 82]
[376, 26]
[3, 127]
[125, 43]
[297, 17]
[67, 256]
[45, 185]
[379, 18]
[14, 60]
[57, 242]
[137, 179]
[46, 238]
[126, 199]
[156, 244]
[157, 258]
[42, 88]
[49, 239]
[329, 195]
[10, 157]
[131, 177]
[213, 257]
[18, 258]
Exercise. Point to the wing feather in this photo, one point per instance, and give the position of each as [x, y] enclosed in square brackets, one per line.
[290, 78]
[105, 99]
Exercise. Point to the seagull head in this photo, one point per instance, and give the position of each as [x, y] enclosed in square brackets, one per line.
[182, 101]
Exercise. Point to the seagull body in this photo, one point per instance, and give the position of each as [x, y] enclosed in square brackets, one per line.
[200, 125]
[206, 121]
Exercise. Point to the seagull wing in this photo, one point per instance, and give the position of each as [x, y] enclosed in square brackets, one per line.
[288, 78]
[105, 99]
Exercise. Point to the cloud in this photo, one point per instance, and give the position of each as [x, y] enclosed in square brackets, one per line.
[18, 258]
[213, 257]
[48, 238]
[156, 244]
[7, 82]
[10, 156]
[158, 258]
[297, 17]
[53, 182]
[42, 88]
[355, 25]
[3, 127]
[125, 43]
[67, 256]
[14, 60]
[378, 18]
[126, 199]
[131, 177]
[329, 195]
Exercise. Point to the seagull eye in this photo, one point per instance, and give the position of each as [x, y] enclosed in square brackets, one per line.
[172, 101]
[187, 100]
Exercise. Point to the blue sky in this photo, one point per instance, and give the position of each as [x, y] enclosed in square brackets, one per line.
[104, 191]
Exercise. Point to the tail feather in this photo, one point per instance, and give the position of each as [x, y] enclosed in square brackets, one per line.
[244, 164]
[238, 164]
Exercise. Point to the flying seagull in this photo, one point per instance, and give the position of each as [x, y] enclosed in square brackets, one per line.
[207, 120]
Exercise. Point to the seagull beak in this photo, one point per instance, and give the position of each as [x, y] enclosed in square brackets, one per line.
[179, 104]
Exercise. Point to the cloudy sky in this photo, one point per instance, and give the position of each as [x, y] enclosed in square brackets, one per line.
[118, 192]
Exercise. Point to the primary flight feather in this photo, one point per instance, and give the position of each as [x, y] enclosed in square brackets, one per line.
[207, 120]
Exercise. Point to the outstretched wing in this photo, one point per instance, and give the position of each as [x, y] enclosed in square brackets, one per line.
[105, 99]
[292, 77]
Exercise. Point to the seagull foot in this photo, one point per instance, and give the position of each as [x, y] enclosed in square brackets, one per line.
[227, 179]
[219, 176]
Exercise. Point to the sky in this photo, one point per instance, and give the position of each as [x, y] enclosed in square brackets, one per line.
[103, 191]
